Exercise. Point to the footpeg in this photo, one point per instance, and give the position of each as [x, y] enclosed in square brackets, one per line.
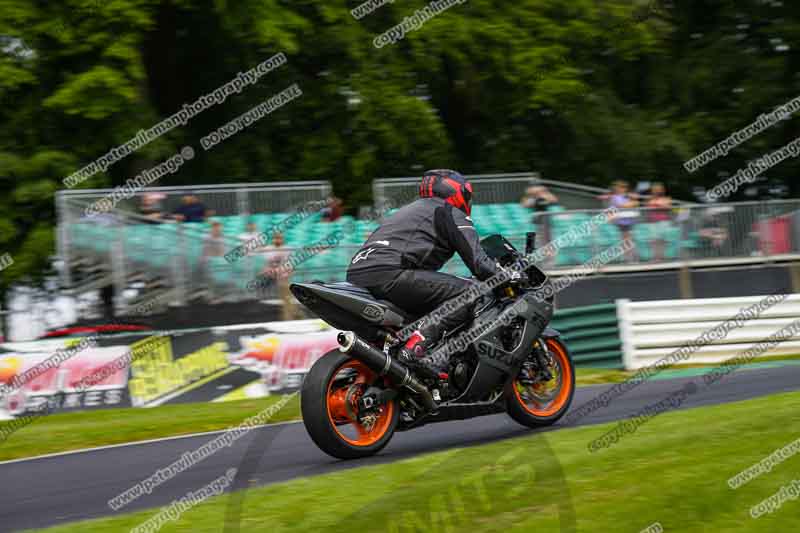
[405, 356]
[375, 397]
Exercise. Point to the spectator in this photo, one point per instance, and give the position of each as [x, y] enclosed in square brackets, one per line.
[191, 210]
[278, 270]
[659, 215]
[251, 234]
[151, 207]
[713, 233]
[626, 217]
[540, 200]
[334, 210]
[643, 188]
[277, 255]
[213, 246]
[214, 242]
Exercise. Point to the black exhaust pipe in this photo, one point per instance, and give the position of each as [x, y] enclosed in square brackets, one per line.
[384, 365]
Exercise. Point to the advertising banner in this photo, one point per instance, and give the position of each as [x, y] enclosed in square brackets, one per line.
[55, 389]
[283, 360]
[156, 368]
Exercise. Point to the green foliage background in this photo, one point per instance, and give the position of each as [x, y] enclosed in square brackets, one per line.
[579, 90]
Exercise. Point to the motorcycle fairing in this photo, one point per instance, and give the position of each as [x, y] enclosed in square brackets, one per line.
[495, 363]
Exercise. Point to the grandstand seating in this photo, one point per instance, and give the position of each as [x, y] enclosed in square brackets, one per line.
[162, 247]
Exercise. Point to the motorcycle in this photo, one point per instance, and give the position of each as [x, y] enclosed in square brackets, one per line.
[356, 397]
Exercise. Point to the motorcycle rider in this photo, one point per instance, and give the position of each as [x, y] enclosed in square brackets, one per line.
[400, 260]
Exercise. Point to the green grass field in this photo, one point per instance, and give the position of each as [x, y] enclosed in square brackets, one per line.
[73, 431]
[673, 470]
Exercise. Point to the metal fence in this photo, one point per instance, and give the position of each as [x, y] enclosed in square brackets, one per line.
[122, 247]
[127, 250]
[693, 234]
[685, 235]
[572, 195]
[222, 200]
[496, 189]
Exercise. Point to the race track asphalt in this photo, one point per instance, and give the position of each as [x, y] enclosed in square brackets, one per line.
[55, 490]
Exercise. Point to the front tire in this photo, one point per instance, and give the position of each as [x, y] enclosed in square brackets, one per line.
[328, 401]
[543, 404]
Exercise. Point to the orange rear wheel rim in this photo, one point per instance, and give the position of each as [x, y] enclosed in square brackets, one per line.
[561, 384]
[342, 407]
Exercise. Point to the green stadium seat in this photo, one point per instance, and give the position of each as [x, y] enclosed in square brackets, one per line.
[157, 246]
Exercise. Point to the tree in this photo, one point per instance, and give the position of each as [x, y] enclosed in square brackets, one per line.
[585, 91]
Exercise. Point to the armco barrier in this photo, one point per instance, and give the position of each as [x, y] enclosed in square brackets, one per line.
[591, 334]
[653, 330]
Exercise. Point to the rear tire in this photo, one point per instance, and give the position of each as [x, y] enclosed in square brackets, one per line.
[322, 405]
[541, 414]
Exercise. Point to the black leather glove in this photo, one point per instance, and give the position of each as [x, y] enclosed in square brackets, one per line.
[513, 274]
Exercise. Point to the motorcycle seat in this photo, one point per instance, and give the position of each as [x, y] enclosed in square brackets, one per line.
[354, 290]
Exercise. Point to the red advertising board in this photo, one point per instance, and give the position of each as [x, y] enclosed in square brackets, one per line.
[56, 388]
[283, 359]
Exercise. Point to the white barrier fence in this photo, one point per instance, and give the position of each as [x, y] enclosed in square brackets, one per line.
[653, 330]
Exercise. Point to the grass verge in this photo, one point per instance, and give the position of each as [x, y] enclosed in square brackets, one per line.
[73, 431]
[598, 376]
[673, 471]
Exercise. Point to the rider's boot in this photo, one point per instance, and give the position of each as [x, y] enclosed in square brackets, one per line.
[414, 353]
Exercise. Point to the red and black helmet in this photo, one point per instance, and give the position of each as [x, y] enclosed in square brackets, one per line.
[447, 184]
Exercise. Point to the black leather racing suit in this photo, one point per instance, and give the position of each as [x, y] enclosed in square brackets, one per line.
[399, 261]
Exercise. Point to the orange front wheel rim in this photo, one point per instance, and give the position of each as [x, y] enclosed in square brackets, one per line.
[345, 388]
[548, 398]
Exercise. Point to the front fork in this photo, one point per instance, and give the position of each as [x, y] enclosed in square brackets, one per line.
[543, 360]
